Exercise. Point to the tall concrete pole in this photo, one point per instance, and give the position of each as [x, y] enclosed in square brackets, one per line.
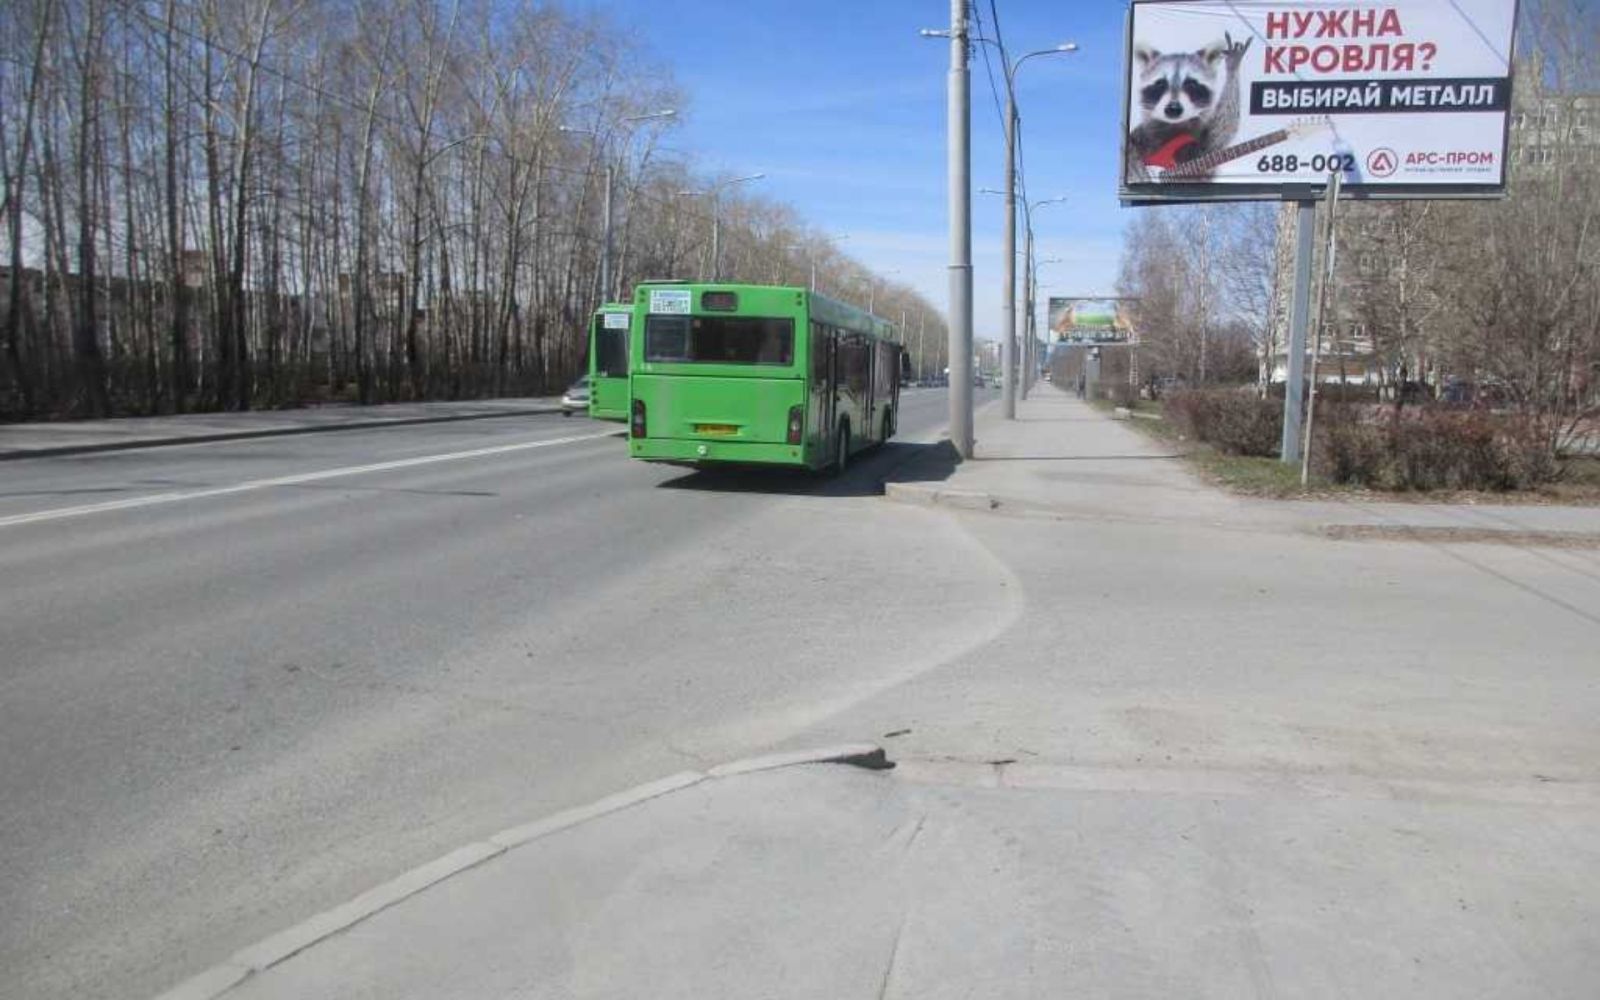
[922, 354]
[1008, 293]
[716, 227]
[605, 239]
[1305, 222]
[1026, 324]
[959, 113]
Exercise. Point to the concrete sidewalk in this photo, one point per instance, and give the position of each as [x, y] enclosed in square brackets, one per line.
[36, 440]
[1062, 457]
[960, 880]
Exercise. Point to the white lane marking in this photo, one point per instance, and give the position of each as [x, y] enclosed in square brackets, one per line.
[305, 477]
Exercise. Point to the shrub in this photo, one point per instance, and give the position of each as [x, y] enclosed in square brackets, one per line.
[1348, 449]
[1429, 449]
[1230, 420]
[1436, 450]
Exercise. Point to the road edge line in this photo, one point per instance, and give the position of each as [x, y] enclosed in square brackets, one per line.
[270, 951]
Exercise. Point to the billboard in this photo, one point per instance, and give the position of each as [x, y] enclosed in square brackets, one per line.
[1266, 98]
[1088, 320]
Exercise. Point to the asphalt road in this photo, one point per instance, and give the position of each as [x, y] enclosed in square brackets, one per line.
[1153, 744]
[242, 682]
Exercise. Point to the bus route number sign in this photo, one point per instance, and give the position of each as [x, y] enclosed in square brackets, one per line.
[668, 300]
[616, 321]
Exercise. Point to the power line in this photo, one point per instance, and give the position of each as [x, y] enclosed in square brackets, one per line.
[977, 18]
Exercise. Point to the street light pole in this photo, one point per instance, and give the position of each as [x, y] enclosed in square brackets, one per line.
[836, 238]
[1024, 323]
[1033, 317]
[872, 287]
[1008, 300]
[1008, 341]
[922, 356]
[605, 238]
[715, 192]
[958, 111]
[716, 233]
[1030, 277]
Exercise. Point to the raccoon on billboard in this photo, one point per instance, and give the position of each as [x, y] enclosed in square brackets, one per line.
[1266, 98]
[1087, 321]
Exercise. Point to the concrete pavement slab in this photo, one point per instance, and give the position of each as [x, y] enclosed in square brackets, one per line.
[837, 883]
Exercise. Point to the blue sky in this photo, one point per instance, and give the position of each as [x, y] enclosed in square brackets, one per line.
[842, 106]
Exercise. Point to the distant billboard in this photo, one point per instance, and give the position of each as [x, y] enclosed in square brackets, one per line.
[1266, 98]
[1088, 320]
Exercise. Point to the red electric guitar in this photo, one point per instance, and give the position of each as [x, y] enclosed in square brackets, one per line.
[1164, 168]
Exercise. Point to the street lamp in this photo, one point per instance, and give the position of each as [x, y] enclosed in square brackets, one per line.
[716, 212]
[836, 238]
[605, 137]
[1030, 272]
[958, 185]
[872, 287]
[1029, 279]
[1030, 350]
[784, 251]
[811, 252]
[1009, 298]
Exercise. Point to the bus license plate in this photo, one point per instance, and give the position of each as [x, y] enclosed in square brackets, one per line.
[719, 430]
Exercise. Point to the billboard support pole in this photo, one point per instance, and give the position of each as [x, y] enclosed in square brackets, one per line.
[1305, 223]
[1329, 254]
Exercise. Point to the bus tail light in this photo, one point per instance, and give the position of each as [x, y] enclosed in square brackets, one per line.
[797, 420]
[636, 426]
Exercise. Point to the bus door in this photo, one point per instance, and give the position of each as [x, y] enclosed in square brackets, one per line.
[824, 385]
[869, 425]
[608, 366]
[885, 384]
[888, 383]
[850, 381]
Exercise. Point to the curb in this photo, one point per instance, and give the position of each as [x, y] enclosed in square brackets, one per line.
[1447, 534]
[929, 496]
[264, 954]
[359, 425]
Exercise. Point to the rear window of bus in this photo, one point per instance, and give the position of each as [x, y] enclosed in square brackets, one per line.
[721, 340]
[611, 352]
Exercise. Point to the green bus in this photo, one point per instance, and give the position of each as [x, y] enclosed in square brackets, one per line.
[608, 361]
[757, 374]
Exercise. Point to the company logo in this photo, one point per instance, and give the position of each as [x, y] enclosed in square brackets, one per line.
[1455, 158]
[1382, 162]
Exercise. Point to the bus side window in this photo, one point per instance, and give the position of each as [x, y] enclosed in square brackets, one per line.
[860, 366]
